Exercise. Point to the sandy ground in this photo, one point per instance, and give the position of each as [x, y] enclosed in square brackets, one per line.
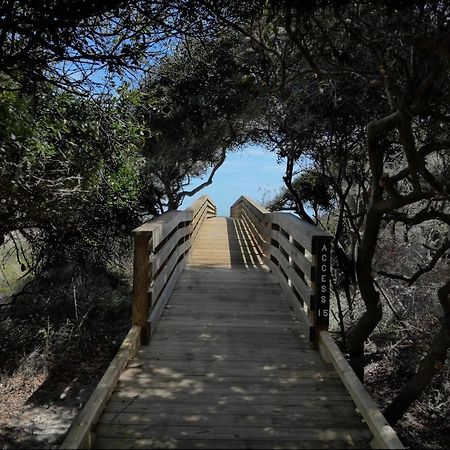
[29, 419]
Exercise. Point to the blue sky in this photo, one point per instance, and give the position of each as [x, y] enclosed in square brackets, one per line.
[251, 171]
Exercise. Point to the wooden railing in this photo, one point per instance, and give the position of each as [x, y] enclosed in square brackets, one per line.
[161, 250]
[298, 253]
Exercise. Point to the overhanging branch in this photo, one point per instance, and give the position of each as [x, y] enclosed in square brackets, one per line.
[210, 178]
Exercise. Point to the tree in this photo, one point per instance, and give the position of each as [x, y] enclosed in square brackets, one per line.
[396, 55]
[70, 42]
[196, 106]
[70, 174]
[399, 52]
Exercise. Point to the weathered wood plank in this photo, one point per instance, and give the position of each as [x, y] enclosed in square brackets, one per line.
[309, 419]
[124, 443]
[285, 334]
[166, 379]
[338, 409]
[159, 259]
[221, 433]
[218, 367]
[163, 395]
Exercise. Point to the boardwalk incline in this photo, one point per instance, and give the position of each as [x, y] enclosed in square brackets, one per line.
[233, 312]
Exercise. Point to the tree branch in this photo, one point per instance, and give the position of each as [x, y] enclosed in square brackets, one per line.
[422, 270]
[210, 178]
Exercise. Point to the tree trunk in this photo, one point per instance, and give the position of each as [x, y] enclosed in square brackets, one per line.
[430, 366]
[366, 251]
[374, 312]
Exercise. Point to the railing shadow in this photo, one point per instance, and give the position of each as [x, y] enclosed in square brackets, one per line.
[244, 249]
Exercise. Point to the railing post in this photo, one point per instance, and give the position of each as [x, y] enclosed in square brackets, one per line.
[320, 304]
[141, 282]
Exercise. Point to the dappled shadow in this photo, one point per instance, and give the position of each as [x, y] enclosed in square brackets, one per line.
[230, 367]
[207, 404]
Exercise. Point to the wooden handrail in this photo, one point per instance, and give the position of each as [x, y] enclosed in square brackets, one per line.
[161, 250]
[384, 435]
[298, 253]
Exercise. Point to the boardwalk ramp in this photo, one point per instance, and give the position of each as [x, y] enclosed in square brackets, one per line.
[230, 362]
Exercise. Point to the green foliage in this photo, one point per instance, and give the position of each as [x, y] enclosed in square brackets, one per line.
[312, 187]
[197, 104]
[70, 171]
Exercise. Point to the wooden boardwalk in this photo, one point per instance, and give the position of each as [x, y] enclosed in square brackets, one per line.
[229, 365]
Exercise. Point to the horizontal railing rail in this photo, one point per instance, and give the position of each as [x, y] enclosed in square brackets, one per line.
[161, 250]
[298, 253]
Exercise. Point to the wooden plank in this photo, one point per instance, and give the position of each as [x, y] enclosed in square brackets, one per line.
[80, 432]
[223, 289]
[285, 333]
[227, 282]
[260, 272]
[234, 275]
[259, 209]
[222, 433]
[239, 334]
[132, 378]
[345, 409]
[168, 380]
[200, 202]
[217, 366]
[234, 405]
[124, 443]
[308, 419]
[283, 337]
[210, 305]
[256, 234]
[205, 354]
[287, 398]
[247, 394]
[231, 344]
[219, 314]
[200, 216]
[229, 322]
[254, 218]
[384, 435]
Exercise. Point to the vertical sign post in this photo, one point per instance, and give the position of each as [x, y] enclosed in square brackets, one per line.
[321, 247]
